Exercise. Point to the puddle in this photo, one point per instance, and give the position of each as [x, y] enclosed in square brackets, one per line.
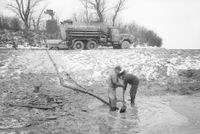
[149, 115]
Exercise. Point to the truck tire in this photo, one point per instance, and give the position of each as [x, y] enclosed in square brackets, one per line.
[125, 45]
[91, 45]
[78, 45]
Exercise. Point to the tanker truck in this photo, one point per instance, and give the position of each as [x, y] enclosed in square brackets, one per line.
[78, 36]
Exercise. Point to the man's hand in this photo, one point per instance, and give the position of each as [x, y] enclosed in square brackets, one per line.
[123, 86]
[116, 82]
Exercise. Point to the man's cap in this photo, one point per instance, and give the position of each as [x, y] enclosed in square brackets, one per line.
[122, 71]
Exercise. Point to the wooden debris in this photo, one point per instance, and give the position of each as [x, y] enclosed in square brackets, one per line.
[31, 106]
[29, 123]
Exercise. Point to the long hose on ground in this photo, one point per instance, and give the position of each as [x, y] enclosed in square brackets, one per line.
[70, 87]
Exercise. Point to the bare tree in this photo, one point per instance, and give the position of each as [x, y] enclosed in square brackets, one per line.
[100, 8]
[24, 9]
[37, 21]
[85, 4]
[118, 8]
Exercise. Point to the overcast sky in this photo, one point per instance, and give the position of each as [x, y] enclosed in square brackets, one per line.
[176, 21]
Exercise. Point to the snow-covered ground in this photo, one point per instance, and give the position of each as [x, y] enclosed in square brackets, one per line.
[161, 66]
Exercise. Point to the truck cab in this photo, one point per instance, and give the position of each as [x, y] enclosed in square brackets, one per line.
[120, 41]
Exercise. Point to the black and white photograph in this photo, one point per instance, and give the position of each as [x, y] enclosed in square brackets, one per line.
[99, 66]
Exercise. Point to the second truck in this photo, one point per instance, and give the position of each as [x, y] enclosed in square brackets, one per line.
[81, 36]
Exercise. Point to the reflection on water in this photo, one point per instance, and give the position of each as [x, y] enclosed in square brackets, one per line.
[149, 115]
[115, 122]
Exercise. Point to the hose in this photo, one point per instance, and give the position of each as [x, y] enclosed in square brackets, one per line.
[70, 87]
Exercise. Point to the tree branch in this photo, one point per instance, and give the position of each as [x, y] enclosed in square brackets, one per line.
[39, 18]
[22, 5]
[20, 10]
[118, 8]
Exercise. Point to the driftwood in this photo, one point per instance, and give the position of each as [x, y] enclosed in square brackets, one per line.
[31, 106]
[73, 88]
[30, 123]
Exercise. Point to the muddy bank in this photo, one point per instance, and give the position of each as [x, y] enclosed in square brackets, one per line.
[16, 119]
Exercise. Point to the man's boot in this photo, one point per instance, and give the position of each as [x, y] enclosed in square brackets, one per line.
[132, 100]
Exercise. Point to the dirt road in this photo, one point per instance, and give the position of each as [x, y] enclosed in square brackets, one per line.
[156, 110]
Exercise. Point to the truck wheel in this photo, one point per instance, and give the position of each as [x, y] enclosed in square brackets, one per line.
[125, 45]
[91, 45]
[78, 45]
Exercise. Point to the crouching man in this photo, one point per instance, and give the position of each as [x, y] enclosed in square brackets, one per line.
[114, 83]
[133, 81]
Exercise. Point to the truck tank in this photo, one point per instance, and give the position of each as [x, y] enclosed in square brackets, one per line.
[82, 27]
